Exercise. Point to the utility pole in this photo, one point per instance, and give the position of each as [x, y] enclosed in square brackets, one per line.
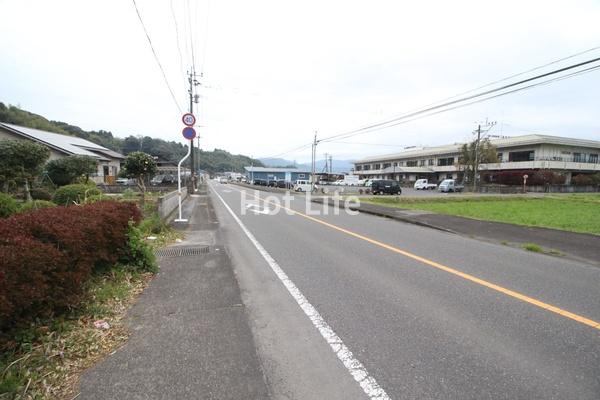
[476, 166]
[488, 125]
[193, 99]
[313, 164]
[330, 164]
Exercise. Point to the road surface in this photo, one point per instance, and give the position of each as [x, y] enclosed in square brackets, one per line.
[345, 307]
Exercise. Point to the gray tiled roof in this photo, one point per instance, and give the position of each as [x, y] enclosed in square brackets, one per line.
[64, 143]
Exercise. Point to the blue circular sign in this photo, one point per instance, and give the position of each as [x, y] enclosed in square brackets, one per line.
[189, 133]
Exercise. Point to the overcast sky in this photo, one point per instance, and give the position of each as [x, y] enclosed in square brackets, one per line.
[276, 71]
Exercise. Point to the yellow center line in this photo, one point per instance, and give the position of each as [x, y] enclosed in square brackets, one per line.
[445, 268]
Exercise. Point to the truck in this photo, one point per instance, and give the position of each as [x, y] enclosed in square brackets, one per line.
[450, 185]
[423, 184]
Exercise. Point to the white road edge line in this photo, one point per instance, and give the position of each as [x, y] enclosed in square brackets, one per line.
[355, 367]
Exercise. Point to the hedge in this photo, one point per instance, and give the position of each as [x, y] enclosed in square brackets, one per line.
[74, 194]
[48, 254]
[35, 205]
[8, 205]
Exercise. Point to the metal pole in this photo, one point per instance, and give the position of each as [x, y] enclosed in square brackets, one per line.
[313, 164]
[180, 219]
[475, 168]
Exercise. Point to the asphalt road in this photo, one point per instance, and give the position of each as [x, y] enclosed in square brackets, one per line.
[426, 314]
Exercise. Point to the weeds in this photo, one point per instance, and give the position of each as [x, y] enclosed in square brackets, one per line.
[532, 247]
[43, 360]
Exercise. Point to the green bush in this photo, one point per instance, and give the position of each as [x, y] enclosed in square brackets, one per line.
[35, 205]
[140, 255]
[40, 194]
[8, 205]
[152, 224]
[77, 193]
[98, 197]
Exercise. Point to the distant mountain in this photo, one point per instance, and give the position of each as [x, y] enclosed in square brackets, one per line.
[211, 161]
[338, 165]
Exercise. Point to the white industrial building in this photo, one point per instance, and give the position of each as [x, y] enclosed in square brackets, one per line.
[530, 152]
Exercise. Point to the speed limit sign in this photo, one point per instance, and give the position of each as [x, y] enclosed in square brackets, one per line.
[188, 119]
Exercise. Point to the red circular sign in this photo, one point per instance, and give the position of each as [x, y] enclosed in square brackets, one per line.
[188, 119]
[189, 133]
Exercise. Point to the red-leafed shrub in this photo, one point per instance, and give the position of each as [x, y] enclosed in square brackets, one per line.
[47, 255]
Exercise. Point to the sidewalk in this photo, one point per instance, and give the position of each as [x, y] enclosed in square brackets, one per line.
[190, 337]
[578, 246]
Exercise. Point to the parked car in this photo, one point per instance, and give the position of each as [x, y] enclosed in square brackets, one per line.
[385, 187]
[450, 185]
[260, 182]
[223, 179]
[423, 184]
[163, 180]
[282, 184]
[272, 183]
[302, 186]
[125, 182]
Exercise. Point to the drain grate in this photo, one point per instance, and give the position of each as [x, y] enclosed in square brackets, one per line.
[183, 251]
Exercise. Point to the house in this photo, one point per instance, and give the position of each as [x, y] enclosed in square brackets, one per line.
[109, 162]
[568, 156]
[271, 173]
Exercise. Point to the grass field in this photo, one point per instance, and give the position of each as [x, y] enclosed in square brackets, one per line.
[574, 212]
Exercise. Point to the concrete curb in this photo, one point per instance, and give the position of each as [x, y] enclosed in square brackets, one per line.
[387, 214]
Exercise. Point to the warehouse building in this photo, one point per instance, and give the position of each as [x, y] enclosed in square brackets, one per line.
[567, 156]
[271, 173]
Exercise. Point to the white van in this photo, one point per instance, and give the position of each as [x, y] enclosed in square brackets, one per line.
[302, 186]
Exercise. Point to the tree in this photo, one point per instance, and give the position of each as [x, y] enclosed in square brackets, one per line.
[467, 159]
[140, 166]
[64, 171]
[20, 162]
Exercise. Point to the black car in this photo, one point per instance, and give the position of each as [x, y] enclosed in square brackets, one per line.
[272, 183]
[385, 187]
[284, 185]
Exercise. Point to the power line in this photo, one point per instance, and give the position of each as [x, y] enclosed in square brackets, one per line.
[304, 146]
[205, 37]
[156, 57]
[428, 111]
[367, 144]
[512, 76]
[178, 44]
[191, 35]
[463, 99]
[585, 71]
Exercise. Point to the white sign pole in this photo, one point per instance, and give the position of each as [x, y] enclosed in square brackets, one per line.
[180, 219]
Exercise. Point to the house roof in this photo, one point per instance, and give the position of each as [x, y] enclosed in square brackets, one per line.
[506, 142]
[269, 169]
[64, 143]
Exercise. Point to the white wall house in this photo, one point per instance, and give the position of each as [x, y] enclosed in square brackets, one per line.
[109, 162]
[560, 154]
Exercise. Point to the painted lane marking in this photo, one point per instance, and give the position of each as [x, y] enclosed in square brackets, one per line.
[472, 278]
[355, 367]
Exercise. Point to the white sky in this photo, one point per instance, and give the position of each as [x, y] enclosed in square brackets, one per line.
[276, 71]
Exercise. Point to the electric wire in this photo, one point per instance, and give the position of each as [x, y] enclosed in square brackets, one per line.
[182, 69]
[456, 104]
[463, 99]
[510, 77]
[531, 86]
[156, 57]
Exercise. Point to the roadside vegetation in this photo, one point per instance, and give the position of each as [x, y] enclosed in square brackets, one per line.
[73, 262]
[572, 212]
